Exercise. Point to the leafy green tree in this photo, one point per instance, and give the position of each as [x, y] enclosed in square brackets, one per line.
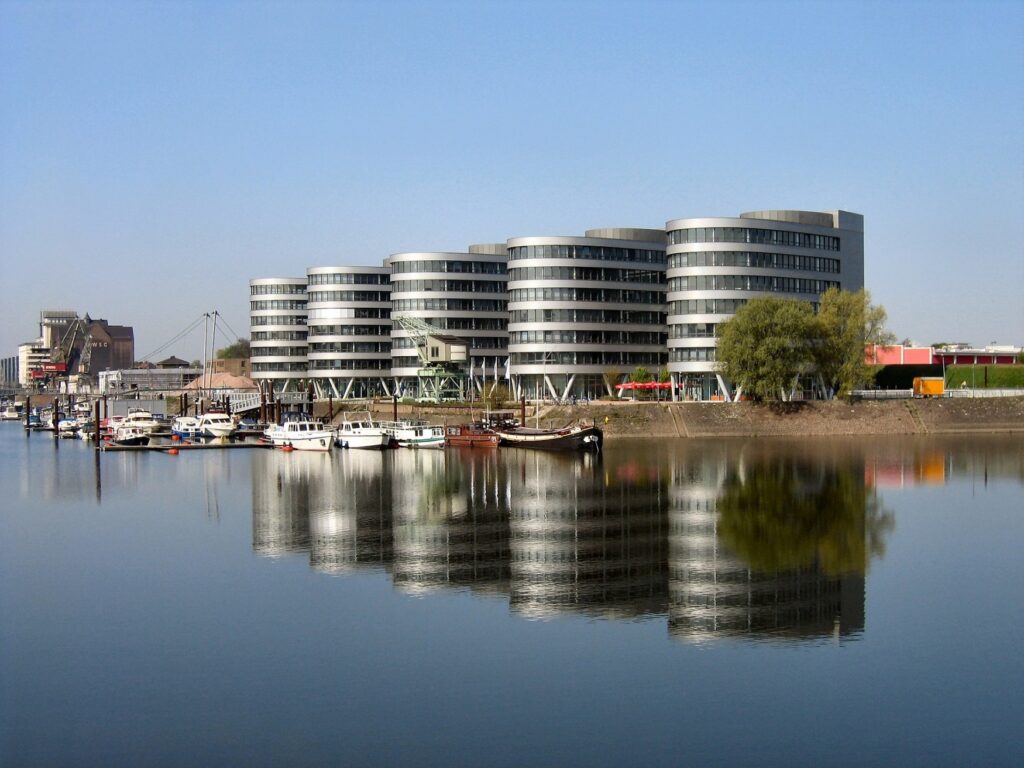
[764, 346]
[845, 325]
[664, 377]
[640, 375]
[239, 349]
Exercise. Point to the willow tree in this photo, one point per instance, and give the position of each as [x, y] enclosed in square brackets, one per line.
[845, 325]
[765, 346]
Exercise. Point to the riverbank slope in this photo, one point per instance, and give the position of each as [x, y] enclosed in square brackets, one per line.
[668, 420]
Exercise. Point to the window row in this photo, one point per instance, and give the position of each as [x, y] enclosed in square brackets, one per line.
[705, 306]
[475, 342]
[366, 296]
[586, 316]
[748, 235]
[691, 354]
[692, 331]
[278, 367]
[349, 364]
[597, 274]
[603, 295]
[277, 304]
[436, 265]
[277, 352]
[278, 335]
[754, 259]
[349, 278]
[586, 337]
[449, 305]
[588, 358]
[594, 252]
[277, 320]
[346, 313]
[349, 330]
[749, 283]
[450, 286]
[281, 289]
[351, 346]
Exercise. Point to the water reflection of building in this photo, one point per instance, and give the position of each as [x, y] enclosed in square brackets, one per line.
[584, 541]
[281, 486]
[450, 520]
[715, 593]
[724, 539]
[350, 514]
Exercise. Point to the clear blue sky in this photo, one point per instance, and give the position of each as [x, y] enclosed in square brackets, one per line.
[155, 156]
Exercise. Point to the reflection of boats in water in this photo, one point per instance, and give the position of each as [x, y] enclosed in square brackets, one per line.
[575, 437]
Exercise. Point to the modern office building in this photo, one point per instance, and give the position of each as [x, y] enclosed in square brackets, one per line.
[349, 331]
[584, 312]
[463, 295]
[277, 327]
[716, 264]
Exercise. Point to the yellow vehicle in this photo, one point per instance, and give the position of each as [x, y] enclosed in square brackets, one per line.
[929, 386]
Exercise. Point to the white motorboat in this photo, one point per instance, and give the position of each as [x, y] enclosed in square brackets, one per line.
[68, 427]
[415, 434]
[186, 427]
[361, 434]
[10, 413]
[137, 417]
[216, 424]
[130, 435]
[301, 435]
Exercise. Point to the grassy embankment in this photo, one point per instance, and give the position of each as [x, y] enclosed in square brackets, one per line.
[985, 376]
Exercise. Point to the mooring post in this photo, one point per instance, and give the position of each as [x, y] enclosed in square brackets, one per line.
[330, 408]
[394, 407]
[96, 425]
[28, 411]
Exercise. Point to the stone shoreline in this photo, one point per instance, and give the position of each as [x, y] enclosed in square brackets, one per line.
[894, 417]
[941, 416]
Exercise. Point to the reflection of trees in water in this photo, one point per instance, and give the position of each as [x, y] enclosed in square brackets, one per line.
[787, 514]
[770, 542]
[726, 539]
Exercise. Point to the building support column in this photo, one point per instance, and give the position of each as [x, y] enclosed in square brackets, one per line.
[725, 389]
[568, 387]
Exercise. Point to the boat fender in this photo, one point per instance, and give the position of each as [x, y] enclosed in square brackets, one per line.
[173, 452]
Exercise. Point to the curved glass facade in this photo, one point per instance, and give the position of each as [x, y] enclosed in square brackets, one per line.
[277, 332]
[349, 331]
[584, 312]
[462, 294]
[794, 256]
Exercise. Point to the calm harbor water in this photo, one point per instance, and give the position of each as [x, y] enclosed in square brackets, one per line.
[715, 602]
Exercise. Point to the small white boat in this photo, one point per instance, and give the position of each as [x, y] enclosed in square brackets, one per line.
[144, 420]
[301, 436]
[216, 424]
[68, 427]
[10, 413]
[186, 427]
[361, 434]
[415, 434]
[130, 435]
